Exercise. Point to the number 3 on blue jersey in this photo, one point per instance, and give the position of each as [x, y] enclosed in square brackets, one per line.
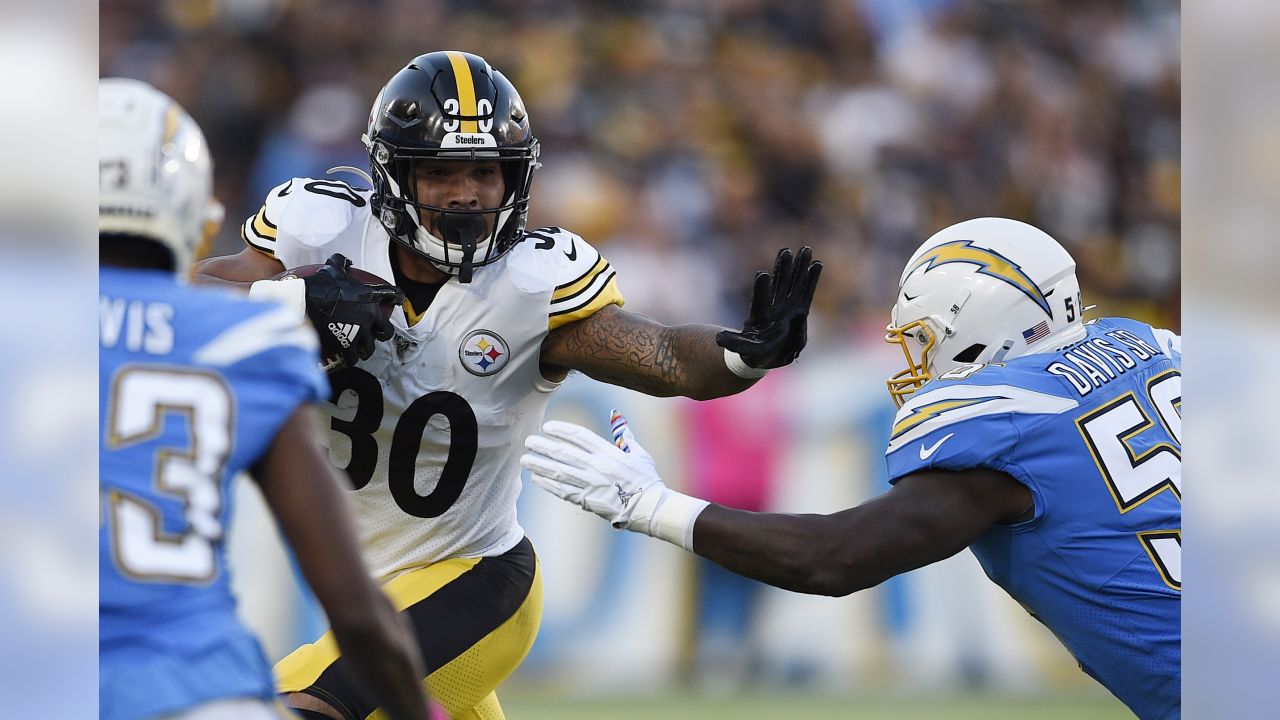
[140, 399]
[1135, 477]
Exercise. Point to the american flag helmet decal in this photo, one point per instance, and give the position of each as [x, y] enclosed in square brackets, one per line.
[1036, 333]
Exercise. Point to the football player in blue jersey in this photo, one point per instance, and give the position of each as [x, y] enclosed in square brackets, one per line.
[1049, 446]
[196, 385]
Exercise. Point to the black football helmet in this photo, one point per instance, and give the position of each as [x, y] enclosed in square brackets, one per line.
[450, 105]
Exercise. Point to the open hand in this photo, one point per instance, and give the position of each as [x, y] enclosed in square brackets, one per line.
[776, 329]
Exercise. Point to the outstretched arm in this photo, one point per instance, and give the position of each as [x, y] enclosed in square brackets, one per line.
[637, 352]
[302, 489]
[926, 517]
[698, 361]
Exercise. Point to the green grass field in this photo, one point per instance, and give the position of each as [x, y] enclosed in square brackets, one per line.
[802, 707]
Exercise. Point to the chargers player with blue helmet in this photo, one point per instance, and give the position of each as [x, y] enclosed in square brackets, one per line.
[1049, 446]
[195, 386]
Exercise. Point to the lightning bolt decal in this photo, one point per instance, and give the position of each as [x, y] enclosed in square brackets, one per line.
[934, 409]
[989, 263]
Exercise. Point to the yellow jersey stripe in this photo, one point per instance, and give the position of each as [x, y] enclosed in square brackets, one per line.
[590, 270]
[569, 303]
[260, 248]
[608, 295]
[262, 226]
[466, 91]
[574, 287]
[303, 667]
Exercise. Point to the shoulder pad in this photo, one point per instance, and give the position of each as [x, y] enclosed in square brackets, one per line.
[1168, 341]
[580, 279]
[938, 406]
[1149, 337]
[303, 211]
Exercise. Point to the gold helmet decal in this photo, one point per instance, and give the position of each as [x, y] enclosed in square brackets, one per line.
[989, 263]
[471, 114]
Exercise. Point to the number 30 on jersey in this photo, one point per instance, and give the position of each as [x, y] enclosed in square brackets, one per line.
[402, 461]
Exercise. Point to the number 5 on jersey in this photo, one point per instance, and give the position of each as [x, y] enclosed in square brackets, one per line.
[1134, 478]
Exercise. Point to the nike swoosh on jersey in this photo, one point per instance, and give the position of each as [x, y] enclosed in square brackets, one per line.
[572, 254]
[926, 452]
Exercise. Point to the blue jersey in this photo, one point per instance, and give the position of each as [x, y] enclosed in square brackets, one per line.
[194, 384]
[1095, 432]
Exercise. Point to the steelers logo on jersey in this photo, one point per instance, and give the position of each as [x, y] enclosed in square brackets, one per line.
[483, 353]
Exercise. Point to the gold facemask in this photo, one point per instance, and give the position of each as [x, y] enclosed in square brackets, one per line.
[214, 214]
[902, 385]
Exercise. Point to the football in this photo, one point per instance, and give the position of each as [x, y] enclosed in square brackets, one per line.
[354, 273]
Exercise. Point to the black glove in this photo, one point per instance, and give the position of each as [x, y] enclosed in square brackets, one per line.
[776, 328]
[349, 315]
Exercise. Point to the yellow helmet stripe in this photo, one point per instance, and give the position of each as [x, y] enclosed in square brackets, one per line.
[466, 91]
[989, 263]
[171, 117]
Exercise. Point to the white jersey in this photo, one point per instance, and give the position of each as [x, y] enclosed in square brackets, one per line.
[431, 427]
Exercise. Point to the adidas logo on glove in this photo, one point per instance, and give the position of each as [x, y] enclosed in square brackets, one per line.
[344, 332]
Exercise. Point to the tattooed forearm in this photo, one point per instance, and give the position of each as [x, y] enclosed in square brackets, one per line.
[636, 352]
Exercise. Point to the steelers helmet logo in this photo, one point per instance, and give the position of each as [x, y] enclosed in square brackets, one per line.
[483, 353]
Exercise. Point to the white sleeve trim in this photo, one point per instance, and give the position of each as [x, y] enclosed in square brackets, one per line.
[279, 327]
[936, 409]
[1168, 340]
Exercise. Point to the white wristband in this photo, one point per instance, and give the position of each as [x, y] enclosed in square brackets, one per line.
[674, 518]
[291, 291]
[738, 367]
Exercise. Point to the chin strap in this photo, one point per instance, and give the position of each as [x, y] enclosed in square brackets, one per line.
[1004, 350]
[468, 255]
[462, 230]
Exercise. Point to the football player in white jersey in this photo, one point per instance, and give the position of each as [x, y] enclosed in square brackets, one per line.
[429, 425]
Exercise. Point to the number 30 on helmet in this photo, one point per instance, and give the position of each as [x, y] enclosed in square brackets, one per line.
[450, 105]
[982, 291]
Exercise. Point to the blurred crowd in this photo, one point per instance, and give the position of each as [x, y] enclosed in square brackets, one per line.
[689, 139]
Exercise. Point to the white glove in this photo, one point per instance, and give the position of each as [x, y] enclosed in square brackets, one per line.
[619, 482]
[290, 290]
